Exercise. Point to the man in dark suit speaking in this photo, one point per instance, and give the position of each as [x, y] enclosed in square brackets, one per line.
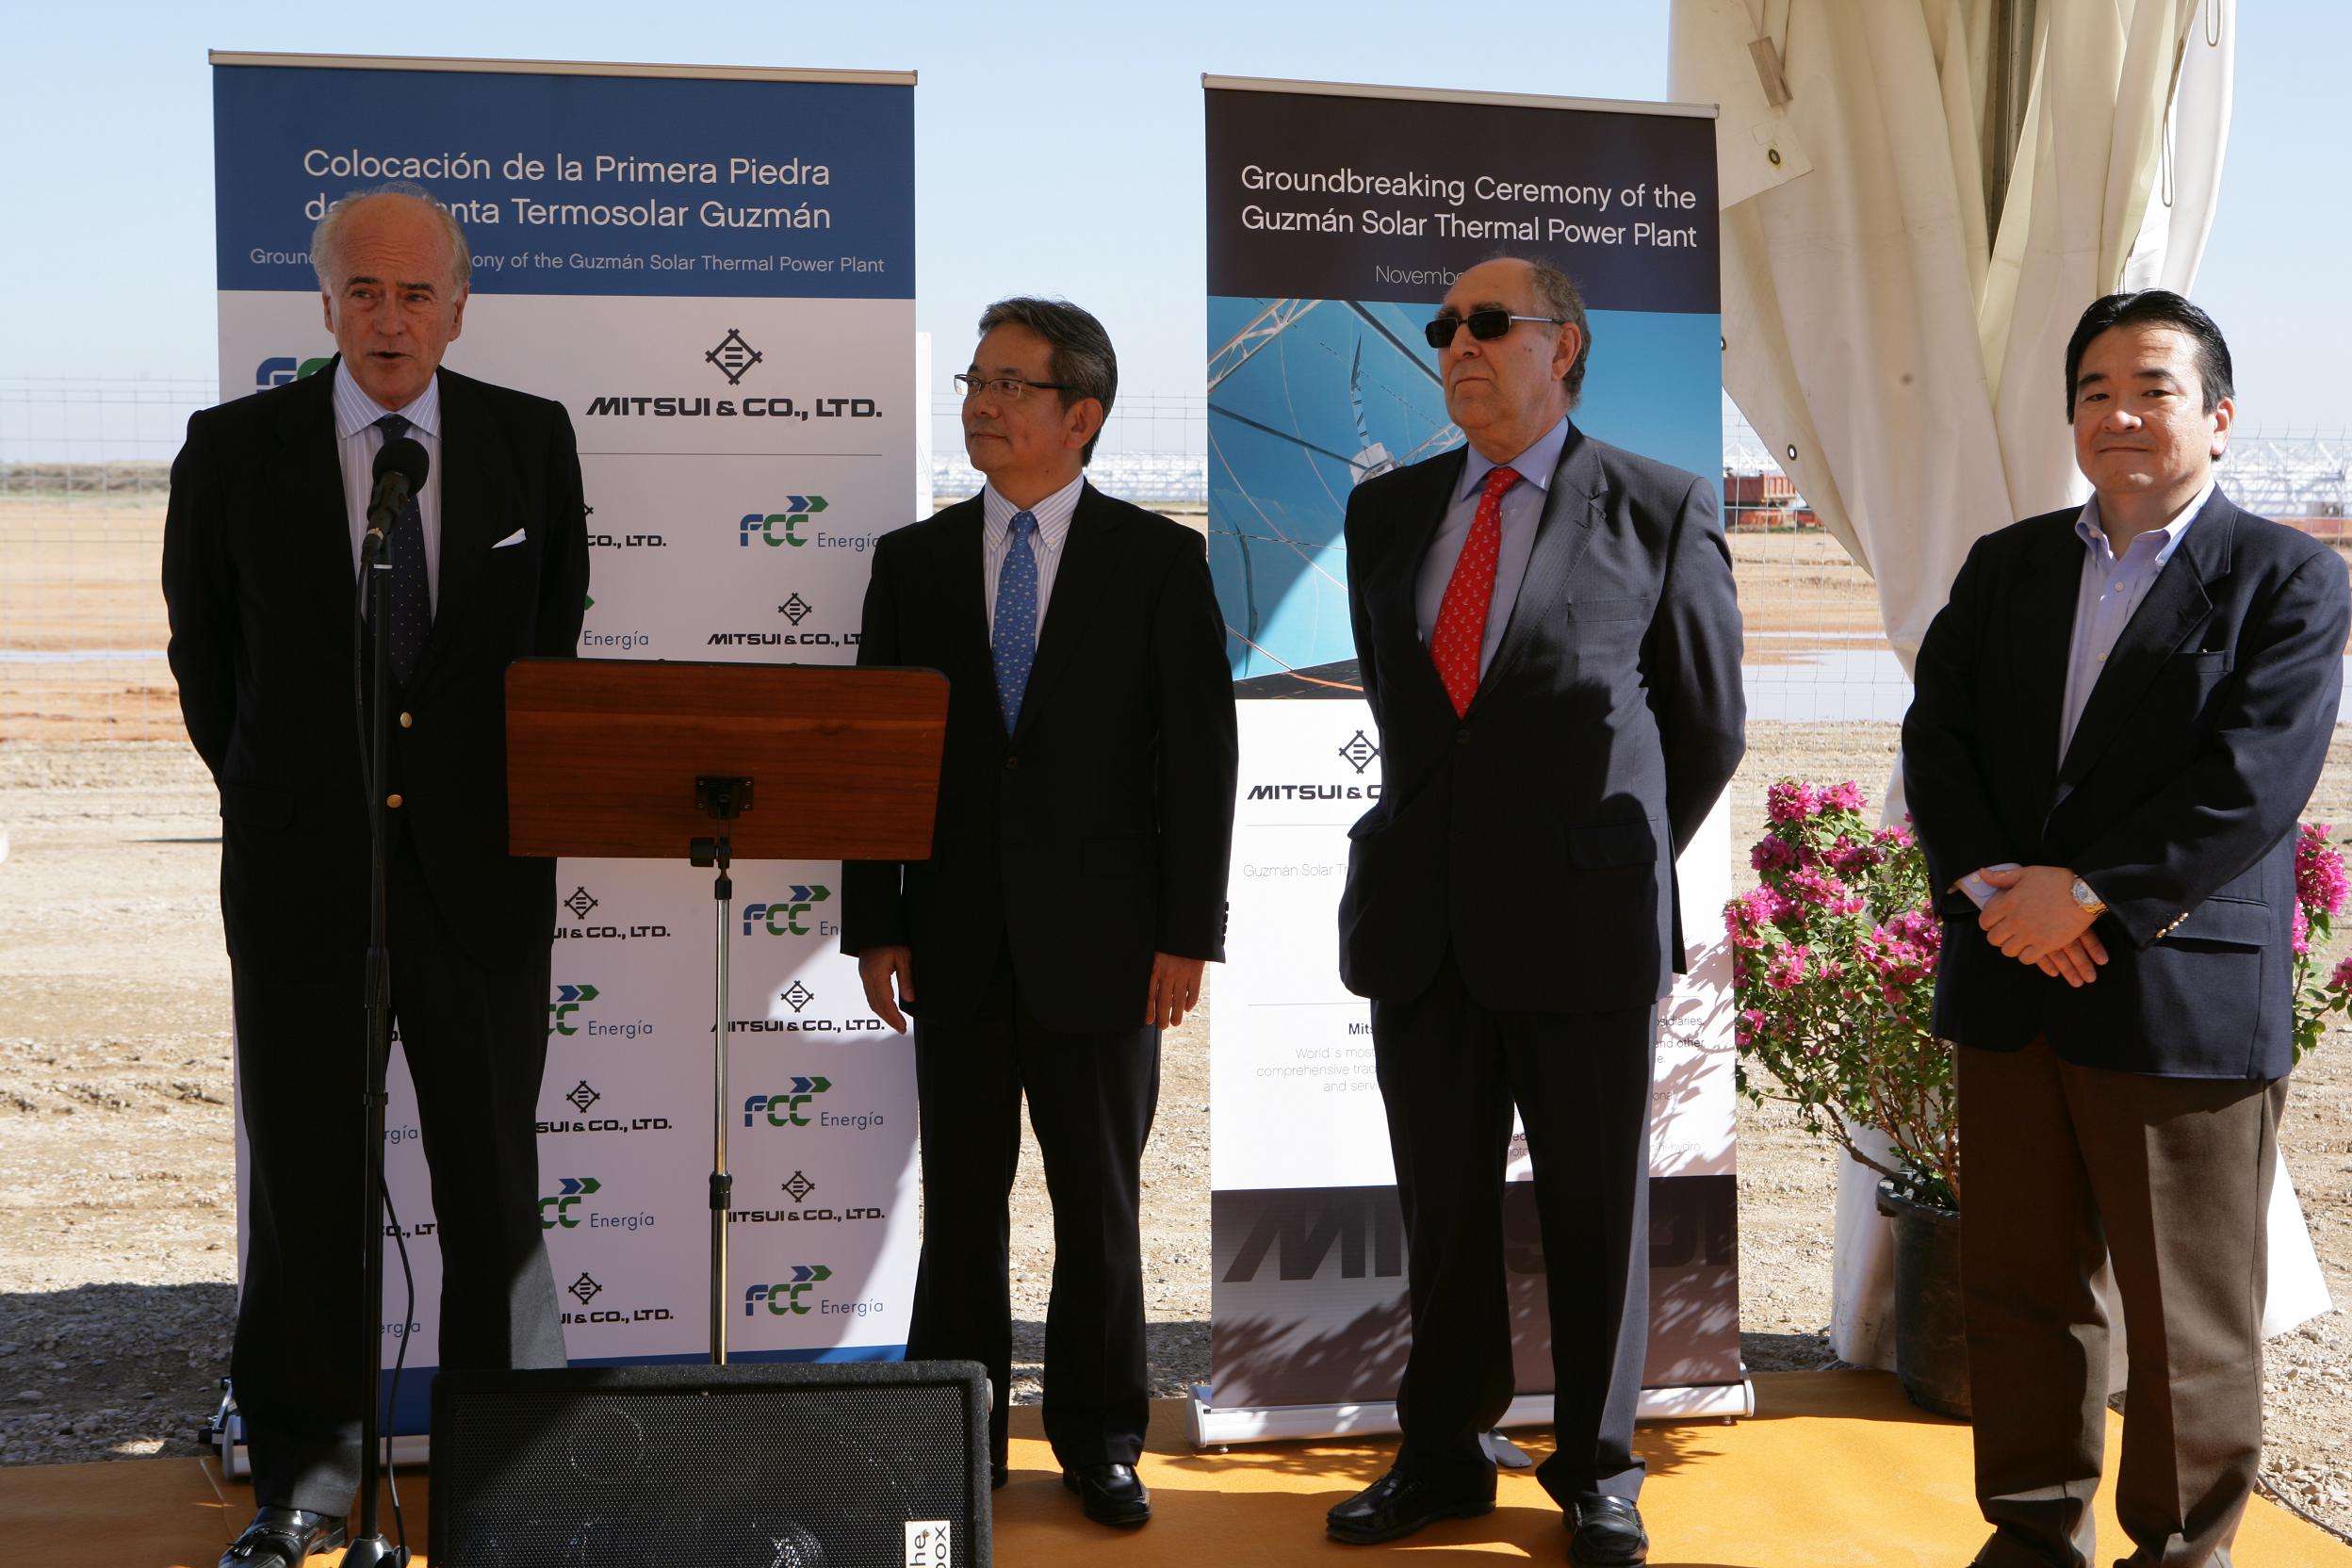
[2118, 716]
[1550, 645]
[489, 564]
[1076, 884]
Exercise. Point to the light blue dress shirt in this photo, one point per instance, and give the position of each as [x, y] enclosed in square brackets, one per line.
[1053, 516]
[357, 441]
[1522, 509]
[2109, 592]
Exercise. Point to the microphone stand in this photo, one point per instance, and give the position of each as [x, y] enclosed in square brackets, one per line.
[367, 1546]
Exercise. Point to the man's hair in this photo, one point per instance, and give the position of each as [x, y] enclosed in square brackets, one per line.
[2155, 307]
[1563, 298]
[330, 231]
[1082, 363]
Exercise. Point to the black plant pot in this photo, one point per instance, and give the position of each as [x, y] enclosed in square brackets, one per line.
[1931, 1333]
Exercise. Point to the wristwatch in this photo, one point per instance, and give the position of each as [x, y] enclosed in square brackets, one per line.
[2087, 901]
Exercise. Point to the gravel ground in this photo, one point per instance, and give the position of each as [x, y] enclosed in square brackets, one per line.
[117, 1183]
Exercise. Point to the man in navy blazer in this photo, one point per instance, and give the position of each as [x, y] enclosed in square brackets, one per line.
[1076, 883]
[260, 551]
[2119, 717]
[1550, 645]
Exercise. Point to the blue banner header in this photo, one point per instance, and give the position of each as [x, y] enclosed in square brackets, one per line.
[571, 184]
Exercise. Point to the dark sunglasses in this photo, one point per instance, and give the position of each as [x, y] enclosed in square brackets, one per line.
[1485, 325]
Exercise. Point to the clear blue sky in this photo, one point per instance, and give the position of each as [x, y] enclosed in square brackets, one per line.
[1058, 151]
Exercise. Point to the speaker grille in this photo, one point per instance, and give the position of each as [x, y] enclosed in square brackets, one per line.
[764, 1466]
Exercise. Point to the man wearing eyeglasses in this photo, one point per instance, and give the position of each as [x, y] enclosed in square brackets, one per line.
[1076, 884]
[1550, 646]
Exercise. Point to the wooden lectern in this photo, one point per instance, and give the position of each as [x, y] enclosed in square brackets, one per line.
[654, 761]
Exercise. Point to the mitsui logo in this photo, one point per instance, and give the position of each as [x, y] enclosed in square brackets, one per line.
[784, 1298]
[798, 998]
[733, 356]
[566, 1209]
[1360, 751]
[587, 1288]
[783, 1110]
[784, 917]
[279, 369]
[583, 1097]
[581, 904]
[778, 528]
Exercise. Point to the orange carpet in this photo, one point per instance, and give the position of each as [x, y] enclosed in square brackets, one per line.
[1835, 1469]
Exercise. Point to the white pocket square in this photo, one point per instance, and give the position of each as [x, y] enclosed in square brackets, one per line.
[514, 538]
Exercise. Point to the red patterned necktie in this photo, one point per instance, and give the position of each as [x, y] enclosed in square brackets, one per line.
[1460, 629]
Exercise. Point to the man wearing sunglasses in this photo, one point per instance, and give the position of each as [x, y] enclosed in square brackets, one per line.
[1076, 884]
[1550, 646]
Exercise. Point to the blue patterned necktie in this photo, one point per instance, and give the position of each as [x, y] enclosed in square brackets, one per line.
[407, 595]
[1013, 634]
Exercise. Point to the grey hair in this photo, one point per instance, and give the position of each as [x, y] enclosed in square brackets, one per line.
[1082, 360]
[330, 229]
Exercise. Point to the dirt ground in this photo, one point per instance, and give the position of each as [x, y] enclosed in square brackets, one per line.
[116, 1211]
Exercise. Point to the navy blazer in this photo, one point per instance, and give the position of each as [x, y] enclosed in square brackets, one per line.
[258, 578]
[2177, 798]
[1097, 833]
[1537, 833]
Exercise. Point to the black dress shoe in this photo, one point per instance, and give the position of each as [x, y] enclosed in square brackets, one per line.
[1397, 1504]
[1608, 1533]
[1110, 1493]
[282, 1537]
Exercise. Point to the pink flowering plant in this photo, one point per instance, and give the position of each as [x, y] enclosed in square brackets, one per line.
[1834, 971]
[2320, 889]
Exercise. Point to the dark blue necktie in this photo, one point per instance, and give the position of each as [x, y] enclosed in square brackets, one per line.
[1013, 635]
[407, 593]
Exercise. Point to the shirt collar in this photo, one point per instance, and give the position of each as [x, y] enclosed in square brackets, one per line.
[354, 410]
[1052, 513]
[1535, 465]
[2087, 528]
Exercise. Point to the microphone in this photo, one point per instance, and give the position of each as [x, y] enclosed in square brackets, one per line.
[400, 469]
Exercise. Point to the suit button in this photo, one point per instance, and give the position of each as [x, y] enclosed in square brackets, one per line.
[393, 801]
[1463, 739]
[1012, 761]
[408, 721]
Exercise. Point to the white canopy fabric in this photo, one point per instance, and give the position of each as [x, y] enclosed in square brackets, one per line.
[1906, 364]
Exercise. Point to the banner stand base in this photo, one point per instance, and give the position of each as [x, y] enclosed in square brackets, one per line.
[1214, 1427]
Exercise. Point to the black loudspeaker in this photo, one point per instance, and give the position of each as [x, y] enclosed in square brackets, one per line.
[771, 1464]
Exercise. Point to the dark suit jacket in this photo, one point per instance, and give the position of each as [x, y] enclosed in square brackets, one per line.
[1098, 832]
[257, 573]
[2177, 799]
[1537, 833]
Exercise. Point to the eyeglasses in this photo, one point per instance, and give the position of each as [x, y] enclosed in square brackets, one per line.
[1009, 389]
[1485, 325]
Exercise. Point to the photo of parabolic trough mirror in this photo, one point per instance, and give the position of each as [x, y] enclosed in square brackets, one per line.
[1309, 397]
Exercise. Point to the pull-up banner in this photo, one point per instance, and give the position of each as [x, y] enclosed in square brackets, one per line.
[1337, 218]
[714, 271]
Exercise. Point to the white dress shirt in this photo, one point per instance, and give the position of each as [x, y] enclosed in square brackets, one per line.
[357, 441]
[996, 537]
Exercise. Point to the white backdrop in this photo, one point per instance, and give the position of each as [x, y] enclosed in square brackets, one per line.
[723, 528]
